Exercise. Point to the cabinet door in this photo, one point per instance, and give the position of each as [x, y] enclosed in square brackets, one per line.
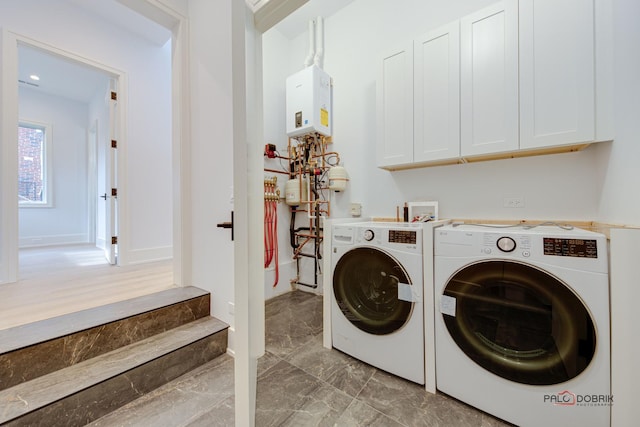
[489, 80]
[395, 108]
[557, 86]
[436, 121]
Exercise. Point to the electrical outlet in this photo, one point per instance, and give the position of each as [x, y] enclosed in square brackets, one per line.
[355, 209]
[231, 308]
[513, 202]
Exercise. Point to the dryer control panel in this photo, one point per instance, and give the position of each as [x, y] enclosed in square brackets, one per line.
[581, 248]
[570, 248]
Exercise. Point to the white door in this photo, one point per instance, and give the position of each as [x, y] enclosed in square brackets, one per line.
[489, 80]
[395, 107]
[436, 107]
[110, 196]
[557, 81]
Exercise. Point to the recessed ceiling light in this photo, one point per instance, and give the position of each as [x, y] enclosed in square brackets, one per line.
[34, 77]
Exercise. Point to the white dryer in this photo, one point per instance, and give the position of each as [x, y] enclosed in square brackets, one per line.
[522, 327]
[377, 299]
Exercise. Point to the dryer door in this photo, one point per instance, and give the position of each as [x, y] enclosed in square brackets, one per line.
[518, 322]
[365, 286]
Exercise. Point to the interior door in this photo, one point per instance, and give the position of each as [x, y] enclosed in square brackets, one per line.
[110, 194]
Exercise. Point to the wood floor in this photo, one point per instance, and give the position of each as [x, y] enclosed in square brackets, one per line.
[65, 279]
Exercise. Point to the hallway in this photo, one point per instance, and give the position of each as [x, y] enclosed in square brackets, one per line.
[63, 279]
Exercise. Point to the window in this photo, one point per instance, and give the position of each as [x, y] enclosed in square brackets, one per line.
[34, 164]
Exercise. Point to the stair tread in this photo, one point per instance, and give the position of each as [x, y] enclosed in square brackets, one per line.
[39, 392]
[25, 335]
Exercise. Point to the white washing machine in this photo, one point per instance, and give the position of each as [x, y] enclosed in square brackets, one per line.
[377, 302]
[522, 323]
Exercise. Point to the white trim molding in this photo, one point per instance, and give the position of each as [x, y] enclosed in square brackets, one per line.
[8, 154]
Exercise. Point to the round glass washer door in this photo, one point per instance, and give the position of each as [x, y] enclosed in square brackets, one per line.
[365, 286]
[520, 322]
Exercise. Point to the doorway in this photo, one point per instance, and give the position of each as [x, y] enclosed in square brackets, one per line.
[71, 212]
[71, 166]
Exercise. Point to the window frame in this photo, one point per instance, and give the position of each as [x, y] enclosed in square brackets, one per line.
[47, 164]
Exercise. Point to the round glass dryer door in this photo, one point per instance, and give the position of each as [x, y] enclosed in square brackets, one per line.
[519, 322]
[365, 286]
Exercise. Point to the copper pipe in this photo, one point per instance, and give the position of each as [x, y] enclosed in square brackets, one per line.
[276, 171]
[323, 155]
[310, 236]
[299, 248]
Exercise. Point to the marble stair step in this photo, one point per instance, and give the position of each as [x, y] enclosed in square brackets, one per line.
[39, 348]
[83, 392]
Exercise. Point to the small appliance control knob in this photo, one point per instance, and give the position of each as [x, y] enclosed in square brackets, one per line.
[368, 235]
[506, 244]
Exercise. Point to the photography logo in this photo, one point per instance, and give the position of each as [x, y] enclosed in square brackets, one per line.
[564, 398]
[567, 398]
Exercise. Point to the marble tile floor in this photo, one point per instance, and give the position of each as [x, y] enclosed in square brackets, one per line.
[300, 383]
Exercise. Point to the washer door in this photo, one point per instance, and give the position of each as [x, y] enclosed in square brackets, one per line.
[365, 286]
[519, 322]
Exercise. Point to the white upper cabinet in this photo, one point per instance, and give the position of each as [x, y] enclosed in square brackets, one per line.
[489, 80]
[557, 85]
[437, 94]
[520, 77]
[395, 108]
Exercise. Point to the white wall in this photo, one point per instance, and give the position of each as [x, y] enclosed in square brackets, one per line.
[67, 220]
[619, 201]
[148, 141]
[149, 183]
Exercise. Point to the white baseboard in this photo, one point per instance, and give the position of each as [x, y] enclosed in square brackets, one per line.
[231, 334]
[60, 239]
[141, 256]
[101, 243]
[287, 271]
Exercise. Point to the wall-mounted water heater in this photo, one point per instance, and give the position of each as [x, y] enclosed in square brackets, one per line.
[309, 102]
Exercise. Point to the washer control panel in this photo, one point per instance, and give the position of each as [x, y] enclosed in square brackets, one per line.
[506, 244]
[409, 237]
[393, 236]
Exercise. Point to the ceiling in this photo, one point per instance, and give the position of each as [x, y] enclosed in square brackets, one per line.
[60, 76]
[125, 18]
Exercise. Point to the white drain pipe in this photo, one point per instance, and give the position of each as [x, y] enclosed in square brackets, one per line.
[319, 57]
[312, 44]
